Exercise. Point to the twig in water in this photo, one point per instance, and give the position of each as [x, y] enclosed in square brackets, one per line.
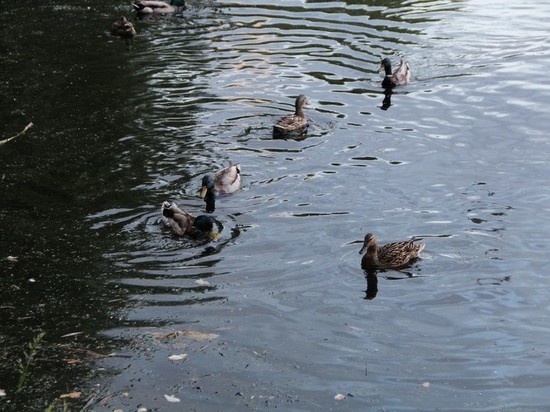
[22, 132]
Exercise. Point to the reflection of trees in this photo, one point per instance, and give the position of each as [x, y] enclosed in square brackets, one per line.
[57, 281]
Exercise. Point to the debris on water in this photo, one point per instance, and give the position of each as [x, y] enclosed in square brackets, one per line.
[187, 333]
[202, 282]
[426, 384]
[172, 398]
[72, 395]
[340, 396]
[12, 258]
[183, 356]
[68, 335]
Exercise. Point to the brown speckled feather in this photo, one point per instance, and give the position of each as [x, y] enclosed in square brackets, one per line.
[292, 124]
[388, 256]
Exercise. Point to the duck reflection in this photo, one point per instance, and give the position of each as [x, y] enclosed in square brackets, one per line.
[372, 285]
[386, 102]
[372, 280]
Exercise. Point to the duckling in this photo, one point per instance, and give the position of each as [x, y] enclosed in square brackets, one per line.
[124, 29]
[389, 256]
[180, 223]
[227, 180]
[292, 125]
[400, 76]
[159, 7]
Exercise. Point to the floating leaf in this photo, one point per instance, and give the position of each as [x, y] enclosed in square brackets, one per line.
[339, 396]
[72, 395]
[11, 258]
[171, 398]
[200, 335]
[183, 356]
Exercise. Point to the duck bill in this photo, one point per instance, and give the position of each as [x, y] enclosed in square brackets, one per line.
[203, 191]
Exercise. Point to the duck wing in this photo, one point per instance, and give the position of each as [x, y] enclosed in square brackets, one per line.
[228, 180]
[393, 255]
[176, 219]
[402, 73]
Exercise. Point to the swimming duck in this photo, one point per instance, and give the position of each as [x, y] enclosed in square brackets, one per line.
[159, 7]
[292, 124]
[389, 256]
[180, 223]
[227, 180]
[400, 76]
[124, 29]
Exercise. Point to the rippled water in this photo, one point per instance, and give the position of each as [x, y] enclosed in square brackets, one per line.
[277, 313]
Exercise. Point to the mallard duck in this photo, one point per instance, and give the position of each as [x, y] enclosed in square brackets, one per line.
[292, 124]
[124, 29]
[180, 223]
[159, 7]
[400, 76]
[227, 180]
[389, 256]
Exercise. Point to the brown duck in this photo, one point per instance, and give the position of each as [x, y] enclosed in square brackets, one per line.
[124, 29]
[389, 256]
[292, 125]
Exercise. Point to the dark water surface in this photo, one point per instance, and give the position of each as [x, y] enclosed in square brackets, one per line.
[277, 312]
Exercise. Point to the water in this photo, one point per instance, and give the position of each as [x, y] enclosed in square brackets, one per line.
[277, 313]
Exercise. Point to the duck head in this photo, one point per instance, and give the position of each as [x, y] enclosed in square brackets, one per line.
[368, 243]
[385, 65]
[207, 193]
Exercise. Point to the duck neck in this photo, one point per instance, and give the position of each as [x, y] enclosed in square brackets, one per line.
[372, 253]
[387, 69]
[370, 260]
[299, 110]
[210, 200]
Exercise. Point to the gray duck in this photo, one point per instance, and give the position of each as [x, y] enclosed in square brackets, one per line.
[181, 223]
[400, 76]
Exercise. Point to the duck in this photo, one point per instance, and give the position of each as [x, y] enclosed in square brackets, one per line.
[400, 76]
[159, 7]
[124, 29]
[292, 124]
[181, 223]
[389, 256]
[226, 180]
